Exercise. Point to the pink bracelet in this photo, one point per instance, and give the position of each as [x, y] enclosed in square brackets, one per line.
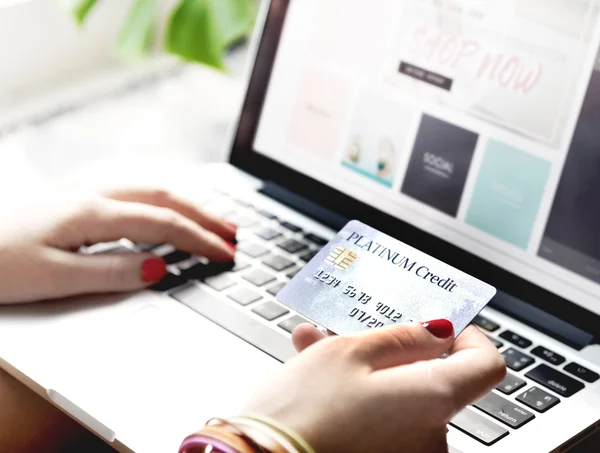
[198, 441]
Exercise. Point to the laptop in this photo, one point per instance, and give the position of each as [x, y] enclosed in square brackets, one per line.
[466, 129]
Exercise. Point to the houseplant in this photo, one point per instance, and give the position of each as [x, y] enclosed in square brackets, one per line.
[196, 30]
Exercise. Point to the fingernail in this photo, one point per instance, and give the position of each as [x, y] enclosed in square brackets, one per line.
[231, 246]
[232, 225]
[441, 328]
[153, 270]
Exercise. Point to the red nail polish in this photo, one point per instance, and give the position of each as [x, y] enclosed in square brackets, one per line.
[153, 270]
[441, 328]
[231, 246]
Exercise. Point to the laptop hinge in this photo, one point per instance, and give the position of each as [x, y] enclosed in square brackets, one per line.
[304, 206]
[540, 320]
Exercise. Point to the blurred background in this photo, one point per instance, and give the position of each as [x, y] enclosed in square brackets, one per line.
[75, 95]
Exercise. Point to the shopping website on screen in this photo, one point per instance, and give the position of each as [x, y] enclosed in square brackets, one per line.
[475, 121]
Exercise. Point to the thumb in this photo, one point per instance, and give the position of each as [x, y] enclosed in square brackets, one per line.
[116, 272]
[402, 344]
[306, 335]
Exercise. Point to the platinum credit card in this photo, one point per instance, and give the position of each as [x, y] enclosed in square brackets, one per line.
[364, 279]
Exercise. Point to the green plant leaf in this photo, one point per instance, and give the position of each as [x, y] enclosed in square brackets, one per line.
[137, 32]
[202, 30]
[80, 9]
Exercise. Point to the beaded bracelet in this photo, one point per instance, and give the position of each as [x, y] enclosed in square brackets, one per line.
[244, 434]
[193, 443]
[221, 441]
[299, 443]
[260, 442]
[261, 431]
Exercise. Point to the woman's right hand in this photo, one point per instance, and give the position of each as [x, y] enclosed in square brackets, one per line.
[381, 391]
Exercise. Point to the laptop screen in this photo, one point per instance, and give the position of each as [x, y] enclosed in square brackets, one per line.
[478, 122]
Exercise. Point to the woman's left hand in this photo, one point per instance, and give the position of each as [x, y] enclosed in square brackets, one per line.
[384, 390]
[38, 244]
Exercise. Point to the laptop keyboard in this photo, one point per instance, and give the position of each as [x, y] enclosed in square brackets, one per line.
[273, 250]
[270, 251]
[529, 389]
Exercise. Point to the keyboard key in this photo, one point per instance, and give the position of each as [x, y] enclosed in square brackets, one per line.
[581, 372]
[308, 255]
[291, 227]
[197, 271]
[515, 339]
[239, 265]
[258, 277]
[270, 310]
[239, 322]
[478, 427]
[116, 250]
[187, 264]
[276, 288]
[252, 249]
[201, 271]
[278, 263]
[555, 380]
[243, 203]
[292, 322]
[318, 240]
[292, 246]
[516, 360]
[293, 272]
[504, 411]
[242, 221]
[244, 296]
[169, 282]
[485, 323]
[268, 234]
[163, 249]
[548, 355]
[220, 282]
[146, 247]
[495, 342]
[511, 384]
[267, 214]
[537, 399]
[176, 257]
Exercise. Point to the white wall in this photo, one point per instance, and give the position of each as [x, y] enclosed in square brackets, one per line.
[41, 47]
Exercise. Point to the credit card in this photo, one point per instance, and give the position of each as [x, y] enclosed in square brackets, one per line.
[364, 279]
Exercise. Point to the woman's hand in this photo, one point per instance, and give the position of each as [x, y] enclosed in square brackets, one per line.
[38, 243]
[381, 391]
